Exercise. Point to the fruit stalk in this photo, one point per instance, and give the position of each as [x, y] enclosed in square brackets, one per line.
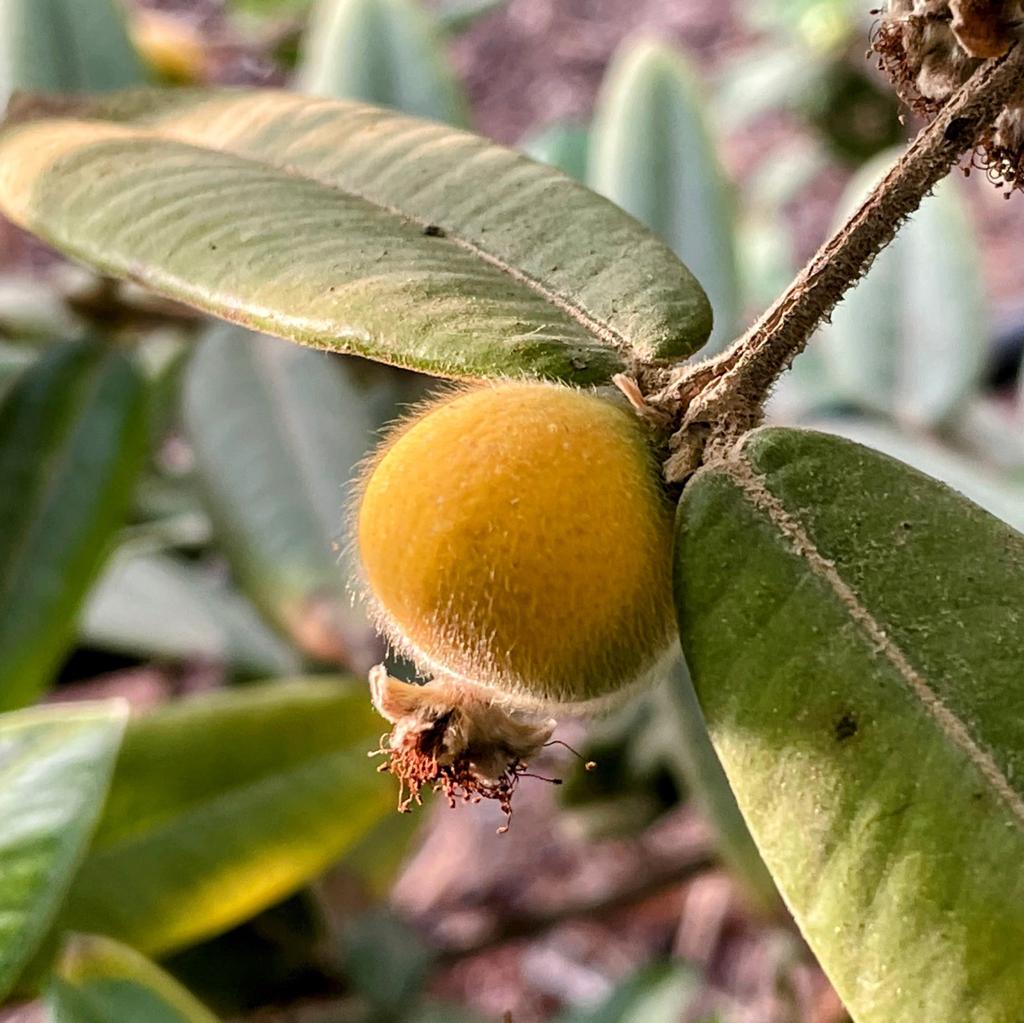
[724, 396]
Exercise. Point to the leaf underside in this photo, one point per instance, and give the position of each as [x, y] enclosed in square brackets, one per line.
[855, 634]
[347, 227]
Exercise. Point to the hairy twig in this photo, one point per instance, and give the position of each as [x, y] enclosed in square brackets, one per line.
[724, 397]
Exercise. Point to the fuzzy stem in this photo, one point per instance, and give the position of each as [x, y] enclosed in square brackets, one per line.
[729, 391]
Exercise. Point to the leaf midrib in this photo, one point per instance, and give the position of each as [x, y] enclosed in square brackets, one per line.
[576, 312]
[753, 486]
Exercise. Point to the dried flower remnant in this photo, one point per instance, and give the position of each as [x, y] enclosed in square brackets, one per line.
[929, 48]
[453, 737]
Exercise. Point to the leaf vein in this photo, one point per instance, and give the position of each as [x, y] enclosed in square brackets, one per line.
[753, 486]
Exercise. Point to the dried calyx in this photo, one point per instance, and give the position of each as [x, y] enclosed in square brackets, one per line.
[929, 48]
[453, 737]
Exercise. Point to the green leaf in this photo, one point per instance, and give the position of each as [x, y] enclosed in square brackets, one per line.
[346, 227]
[854, 632]
[387, 52]
[652, 153]
[73, 433]
[149, 604]
[910, 339]
[664, 993]
[564, 144]
[277, 433]
[983, 486]
[55, 766]
[65, 46]
[222, 805]
[100, 981]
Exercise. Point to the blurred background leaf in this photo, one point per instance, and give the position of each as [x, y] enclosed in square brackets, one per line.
[100, 981]
[653, 154]
[73, 435]
[277, 433]
[564, 144]
[387, 52]
[223, 804]
[65, 46]
[389, 963]
[153, 604]
[55, 766]
[663, 993]
[910, 339]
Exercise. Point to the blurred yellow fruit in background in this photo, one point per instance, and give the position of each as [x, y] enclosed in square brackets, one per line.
[172, 48]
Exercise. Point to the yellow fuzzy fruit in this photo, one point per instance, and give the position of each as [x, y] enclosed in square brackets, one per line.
[517, 536]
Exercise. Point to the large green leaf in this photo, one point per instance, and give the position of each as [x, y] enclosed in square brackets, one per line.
[150, 604]
[55, 765]
[65, 46]
[387, 52]
[222, 805]
[855, 634]
[278, 431]
[356, 229]
[72, 438]
[651, 152]
[100, 981]
[910, 339]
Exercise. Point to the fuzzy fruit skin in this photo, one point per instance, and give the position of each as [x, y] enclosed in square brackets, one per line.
[517, 536]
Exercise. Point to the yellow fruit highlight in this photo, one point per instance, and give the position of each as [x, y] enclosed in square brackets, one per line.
[517, 536]
[173, 48]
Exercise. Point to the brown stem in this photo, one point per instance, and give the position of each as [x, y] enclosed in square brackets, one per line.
[725, 395]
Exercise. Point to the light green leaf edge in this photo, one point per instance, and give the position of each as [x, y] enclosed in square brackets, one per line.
[55, 766]
[347, 227]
